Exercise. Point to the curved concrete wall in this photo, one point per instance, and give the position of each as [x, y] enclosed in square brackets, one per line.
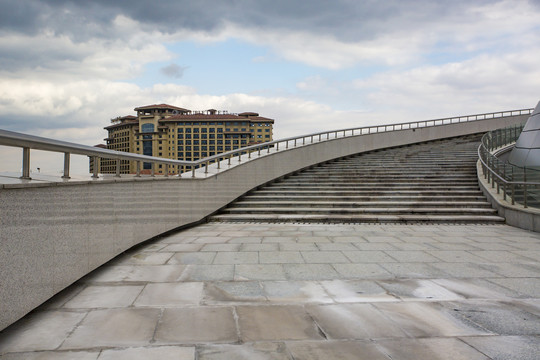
[516, 215]
[53, 235]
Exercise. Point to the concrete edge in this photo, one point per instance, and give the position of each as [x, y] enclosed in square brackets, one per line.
[516, 215]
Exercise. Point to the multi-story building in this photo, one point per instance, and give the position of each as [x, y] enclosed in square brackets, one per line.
[176, 133]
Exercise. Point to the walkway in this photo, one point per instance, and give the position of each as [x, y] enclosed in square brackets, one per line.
[292, 291]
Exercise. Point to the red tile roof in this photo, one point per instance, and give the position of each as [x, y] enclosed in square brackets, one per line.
[160, 106]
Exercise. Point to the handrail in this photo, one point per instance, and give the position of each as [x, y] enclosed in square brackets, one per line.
[503, 174]
[28, 142]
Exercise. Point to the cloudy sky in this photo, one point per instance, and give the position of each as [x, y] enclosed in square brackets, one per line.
[68, 67]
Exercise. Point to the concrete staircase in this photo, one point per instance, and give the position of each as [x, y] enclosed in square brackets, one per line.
[424, 183]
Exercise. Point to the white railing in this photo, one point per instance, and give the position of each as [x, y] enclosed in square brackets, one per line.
[29, 142]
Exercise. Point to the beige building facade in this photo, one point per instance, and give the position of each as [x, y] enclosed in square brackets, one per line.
[176, 133]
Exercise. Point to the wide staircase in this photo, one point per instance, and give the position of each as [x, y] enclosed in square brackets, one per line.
[431, 182]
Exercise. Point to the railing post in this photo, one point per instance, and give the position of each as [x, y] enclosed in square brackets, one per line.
[206, 167]
[138, 174]
[66, 166]
[504, 182]
[26, 164]
[193, 170]
[513, 194]
[152, 169]
[166, 170]
[524, 186]
[489, 169]
[96, 167]
[117, 168]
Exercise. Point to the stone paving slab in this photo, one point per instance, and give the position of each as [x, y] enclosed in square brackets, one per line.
[294, 291]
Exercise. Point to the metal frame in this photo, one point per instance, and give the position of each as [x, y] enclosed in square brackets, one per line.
[27, 142]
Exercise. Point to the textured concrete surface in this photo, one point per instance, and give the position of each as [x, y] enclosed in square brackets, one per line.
[294, 291]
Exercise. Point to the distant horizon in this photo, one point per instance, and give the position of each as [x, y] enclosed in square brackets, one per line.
[80, 162]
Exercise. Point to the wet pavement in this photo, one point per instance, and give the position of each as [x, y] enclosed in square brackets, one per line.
[293, 291]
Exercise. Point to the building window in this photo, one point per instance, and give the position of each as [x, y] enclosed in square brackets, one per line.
[146, 128]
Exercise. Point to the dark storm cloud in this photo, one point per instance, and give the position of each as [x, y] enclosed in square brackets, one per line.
[348, 20]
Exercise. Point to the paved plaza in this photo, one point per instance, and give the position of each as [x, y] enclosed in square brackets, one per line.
[299, 291]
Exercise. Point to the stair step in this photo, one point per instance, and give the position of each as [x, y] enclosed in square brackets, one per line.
[366, 218]
[373, 210]
[365, 204]
[394, 198]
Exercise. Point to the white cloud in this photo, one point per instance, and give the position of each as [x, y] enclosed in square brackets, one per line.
[484, 83]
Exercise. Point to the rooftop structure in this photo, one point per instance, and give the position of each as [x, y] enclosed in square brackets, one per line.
[526, 152]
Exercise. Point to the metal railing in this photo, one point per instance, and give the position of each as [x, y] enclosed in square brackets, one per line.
[521, 184]
[27, 142]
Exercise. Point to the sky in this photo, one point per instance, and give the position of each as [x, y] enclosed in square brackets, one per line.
[68, 67]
